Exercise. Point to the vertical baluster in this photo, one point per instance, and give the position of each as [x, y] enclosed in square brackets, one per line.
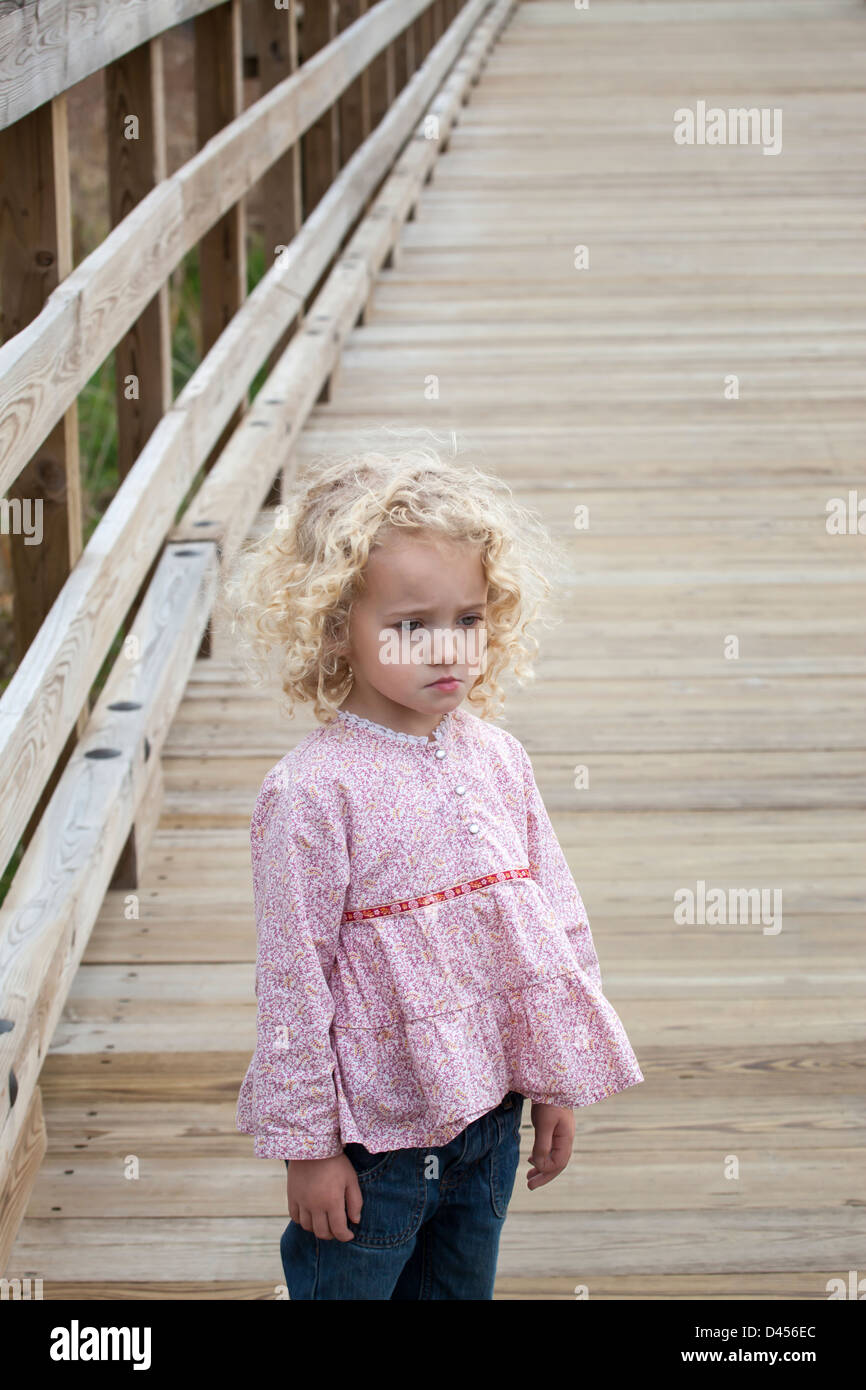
[35, 256]
[222, 250]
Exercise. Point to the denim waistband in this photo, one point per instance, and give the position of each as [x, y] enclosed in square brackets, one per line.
[507, 1103]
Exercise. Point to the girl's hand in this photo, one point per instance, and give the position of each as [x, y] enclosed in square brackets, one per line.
[320, 1192]
[554, 1140]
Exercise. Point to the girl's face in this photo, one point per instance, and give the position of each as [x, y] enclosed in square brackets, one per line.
[416, 635]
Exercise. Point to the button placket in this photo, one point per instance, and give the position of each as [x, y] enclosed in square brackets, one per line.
[460, 790]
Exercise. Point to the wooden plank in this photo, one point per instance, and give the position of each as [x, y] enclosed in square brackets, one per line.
[169, 1004]
[830, 1076]
[210, 1184]
[594, 1245]
[681, 1125]
[727, 1288]
[619, 781]
[47, 46]
[22, 1173]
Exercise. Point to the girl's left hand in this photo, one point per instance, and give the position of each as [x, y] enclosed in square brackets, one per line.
[554, 1140]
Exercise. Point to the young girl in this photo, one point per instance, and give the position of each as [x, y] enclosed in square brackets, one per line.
[424, 957]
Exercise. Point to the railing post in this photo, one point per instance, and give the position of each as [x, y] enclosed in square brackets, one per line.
[135, 129]
[355, 116]
[222, 250]
[404, 57]
[423, 35]
[35, 255]
[383, 87]
[439, 21]
[136, 143]
[273, 36]
[320, 146]
[354, 104]
[36, 246]
[276, 45]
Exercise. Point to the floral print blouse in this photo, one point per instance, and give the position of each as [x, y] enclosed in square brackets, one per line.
[422, 946]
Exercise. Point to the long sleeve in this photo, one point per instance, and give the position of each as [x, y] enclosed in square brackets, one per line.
[300, 876]
[550, 870]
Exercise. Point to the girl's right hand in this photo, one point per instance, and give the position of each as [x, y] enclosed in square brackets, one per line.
[321, 1192]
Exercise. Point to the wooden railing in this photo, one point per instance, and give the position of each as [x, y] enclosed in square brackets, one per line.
[342, 143]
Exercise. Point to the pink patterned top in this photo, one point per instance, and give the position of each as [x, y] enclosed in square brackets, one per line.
[422, 946]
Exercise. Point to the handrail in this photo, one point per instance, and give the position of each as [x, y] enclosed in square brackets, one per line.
[39, 60]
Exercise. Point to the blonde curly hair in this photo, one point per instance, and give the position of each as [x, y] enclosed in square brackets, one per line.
[288, 597]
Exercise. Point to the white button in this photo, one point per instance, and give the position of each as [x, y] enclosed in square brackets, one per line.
[473, 829]
[460, 791]
[440, 752]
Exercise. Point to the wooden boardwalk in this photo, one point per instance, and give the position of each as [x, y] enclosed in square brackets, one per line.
[602, 387]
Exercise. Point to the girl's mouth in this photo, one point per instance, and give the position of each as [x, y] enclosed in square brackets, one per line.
[446, 683]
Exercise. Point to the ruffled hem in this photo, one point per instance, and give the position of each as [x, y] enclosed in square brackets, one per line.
[556, 1042]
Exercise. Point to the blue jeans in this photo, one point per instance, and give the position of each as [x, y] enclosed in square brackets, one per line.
[428, 1229]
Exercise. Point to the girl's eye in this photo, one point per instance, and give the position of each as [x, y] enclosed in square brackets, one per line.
[409, 624]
